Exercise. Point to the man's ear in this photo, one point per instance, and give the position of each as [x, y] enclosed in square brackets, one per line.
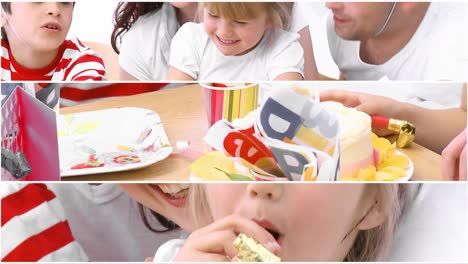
[375, 217]
[408, 7]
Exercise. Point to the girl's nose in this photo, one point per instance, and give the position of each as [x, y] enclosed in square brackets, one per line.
[334, 5]
[53, 8]
[225, 28]
[269, 191]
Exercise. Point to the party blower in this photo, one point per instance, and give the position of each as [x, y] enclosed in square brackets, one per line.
[251, 250]
[406, 130]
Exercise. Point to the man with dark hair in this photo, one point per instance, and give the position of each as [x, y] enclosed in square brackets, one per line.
[399, 40]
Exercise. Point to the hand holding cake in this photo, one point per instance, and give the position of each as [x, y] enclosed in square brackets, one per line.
[370, 104]
[436, 127]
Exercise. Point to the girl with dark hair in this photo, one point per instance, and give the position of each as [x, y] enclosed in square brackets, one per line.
[142, 36]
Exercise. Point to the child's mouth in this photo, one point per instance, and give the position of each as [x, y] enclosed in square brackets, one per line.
[174, 194]
[274, 233]
[52, 27]
[270, 228]
[227, 42]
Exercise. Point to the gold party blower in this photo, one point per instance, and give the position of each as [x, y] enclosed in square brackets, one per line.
[252, 251]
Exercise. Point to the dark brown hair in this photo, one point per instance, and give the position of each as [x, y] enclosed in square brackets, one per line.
[146, 216]
[6, 6]
[126, 14]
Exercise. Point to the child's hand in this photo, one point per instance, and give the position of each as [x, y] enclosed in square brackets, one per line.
[215, 241]
[454, 159]
[368, 103]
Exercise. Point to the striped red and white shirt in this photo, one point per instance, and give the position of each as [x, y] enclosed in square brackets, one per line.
[74, 62]
[34, 226]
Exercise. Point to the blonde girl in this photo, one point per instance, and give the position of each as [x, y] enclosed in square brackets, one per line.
[297, 222]
[237, 41]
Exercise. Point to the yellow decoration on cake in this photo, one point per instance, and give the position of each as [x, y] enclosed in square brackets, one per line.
[385, 176]
[384, 147]
[215, 166]
[395, 160]
[400, 172]
[391, 166]
[367, 174]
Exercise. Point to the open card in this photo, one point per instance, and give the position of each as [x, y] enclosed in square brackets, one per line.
[29, 130]
[289, 136]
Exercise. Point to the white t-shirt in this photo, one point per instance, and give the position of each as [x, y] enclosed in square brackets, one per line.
[107, 224]
[144, 52]
[193, 53]
[438, 49]
[168, 251]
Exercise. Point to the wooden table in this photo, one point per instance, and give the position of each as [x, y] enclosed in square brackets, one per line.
[427, 164]
[184, 118]
[183, 115]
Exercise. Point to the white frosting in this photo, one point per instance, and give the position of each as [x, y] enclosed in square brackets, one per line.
[354, 124]
[355, 134]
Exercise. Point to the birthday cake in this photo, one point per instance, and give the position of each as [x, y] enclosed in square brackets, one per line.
[291, 137]
[356, 150]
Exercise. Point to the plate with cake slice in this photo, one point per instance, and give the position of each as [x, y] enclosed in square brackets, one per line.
[110, 140]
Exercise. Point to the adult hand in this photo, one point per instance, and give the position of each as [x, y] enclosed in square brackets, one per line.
[368, 103]
[215, 241]
[454, 159]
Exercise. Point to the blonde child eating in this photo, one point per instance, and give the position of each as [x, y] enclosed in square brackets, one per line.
[296, 222]
[34, 47]
[237, 41]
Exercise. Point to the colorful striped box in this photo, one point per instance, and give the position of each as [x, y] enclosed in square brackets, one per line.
[229, 101]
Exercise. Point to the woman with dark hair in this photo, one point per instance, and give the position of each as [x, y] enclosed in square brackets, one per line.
[123, 222]
[142, 36]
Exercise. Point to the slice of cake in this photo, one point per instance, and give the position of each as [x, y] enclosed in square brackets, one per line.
[356, 150]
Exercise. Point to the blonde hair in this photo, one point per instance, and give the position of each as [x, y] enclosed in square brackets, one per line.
[278, 13]
[374, 244]
[369, 245]
[198, 205]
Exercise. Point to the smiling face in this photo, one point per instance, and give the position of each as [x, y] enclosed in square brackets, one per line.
[42, 26]
[309, 221]
[168, 200]
[359, 20]
[234, 35]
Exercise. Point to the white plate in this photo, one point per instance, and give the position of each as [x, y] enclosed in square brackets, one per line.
[409, 170]
[120, 139]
